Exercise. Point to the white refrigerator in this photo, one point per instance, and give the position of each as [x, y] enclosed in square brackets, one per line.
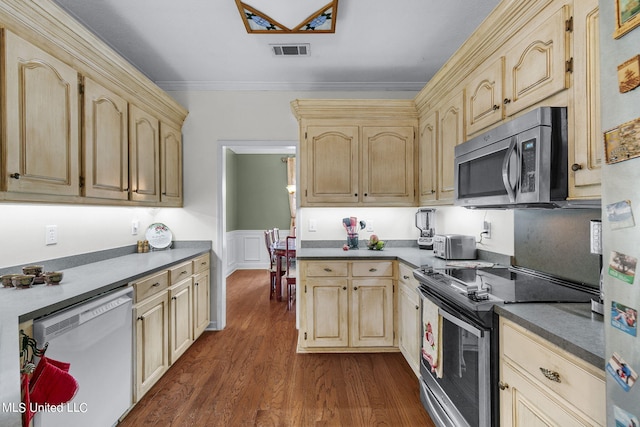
[621, 217]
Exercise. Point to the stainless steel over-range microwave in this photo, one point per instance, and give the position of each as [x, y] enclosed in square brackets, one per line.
[522, 163]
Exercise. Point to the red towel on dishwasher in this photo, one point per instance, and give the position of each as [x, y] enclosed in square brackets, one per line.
[51, 383]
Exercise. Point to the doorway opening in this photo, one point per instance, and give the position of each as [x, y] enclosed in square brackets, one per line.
[284, 148]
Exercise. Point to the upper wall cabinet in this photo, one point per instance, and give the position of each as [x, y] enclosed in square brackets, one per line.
[586, 150]
[427, 152]
[70, 133]
[42, 143]
[170, 165]
[357, 152]
[144, 155]
[532, 66]
[106, 143]
[450, 134]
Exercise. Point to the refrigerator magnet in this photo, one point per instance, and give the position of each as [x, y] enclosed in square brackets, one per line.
[621, 372]
[620, 215]
[622, 267]
[624, 418]
[624, 318]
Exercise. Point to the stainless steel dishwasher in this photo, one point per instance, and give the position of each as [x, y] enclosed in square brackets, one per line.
[95, 337]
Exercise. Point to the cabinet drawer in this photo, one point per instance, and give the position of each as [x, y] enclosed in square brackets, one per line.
[180, 272]
[327, 269]
[574, 380]
[373, 269]
[201, 263]
[405, 275]
[150, 285]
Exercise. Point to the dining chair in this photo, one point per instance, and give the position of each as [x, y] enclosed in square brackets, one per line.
[290, 273]
[273, 270]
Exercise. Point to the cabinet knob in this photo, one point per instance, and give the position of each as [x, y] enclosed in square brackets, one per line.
[365, 194]
[196, 284]
[576, 167]
[373, 270]
[344, 288]
[15, 175]
[356, 194]
[417, 307]
[496, 107]
[155, 285]
[141, 318]
[174, 298]
[405, 277]
[503, 386]
[328, 270]
[506, 101]
[183, 272]
[355, 288]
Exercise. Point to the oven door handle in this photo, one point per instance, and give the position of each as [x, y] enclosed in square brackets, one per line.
[461, 323]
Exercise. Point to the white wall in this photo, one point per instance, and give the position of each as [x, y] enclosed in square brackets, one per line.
[399, 224]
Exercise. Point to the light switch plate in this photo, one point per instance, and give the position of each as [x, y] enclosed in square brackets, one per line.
[313, 225]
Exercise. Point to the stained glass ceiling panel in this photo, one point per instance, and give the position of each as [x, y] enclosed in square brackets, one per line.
[288, 16]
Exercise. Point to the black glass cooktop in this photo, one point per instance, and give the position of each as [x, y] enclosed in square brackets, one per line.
[505, 285]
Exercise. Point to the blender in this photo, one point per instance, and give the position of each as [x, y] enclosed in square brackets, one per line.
[424, 222]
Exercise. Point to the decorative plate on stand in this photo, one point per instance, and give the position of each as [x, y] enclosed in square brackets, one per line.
[159, 236]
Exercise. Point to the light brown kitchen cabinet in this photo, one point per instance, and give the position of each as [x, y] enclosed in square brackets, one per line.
[151, 318]
[586, 148]
[170, 165]
[106, 143]
[357, 152]
[427, 158]
[201, 294]
[484, 96]
[450, 134]
[42, 120]
[180, 318]
[347, 306]
[536, 62]
[330, 170]
[409, 321]
[144, 155]
[543, 385]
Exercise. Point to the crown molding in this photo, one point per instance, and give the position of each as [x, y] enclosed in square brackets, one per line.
[290, 86]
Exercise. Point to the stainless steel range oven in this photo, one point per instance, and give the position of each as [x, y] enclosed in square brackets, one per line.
[459, 367]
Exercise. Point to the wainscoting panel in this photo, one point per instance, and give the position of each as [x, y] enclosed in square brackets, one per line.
[246, 250]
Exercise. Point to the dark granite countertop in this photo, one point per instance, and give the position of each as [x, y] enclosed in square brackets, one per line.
[570, 326]
[79, 283]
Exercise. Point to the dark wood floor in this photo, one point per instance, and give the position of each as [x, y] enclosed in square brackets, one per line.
[249, 374]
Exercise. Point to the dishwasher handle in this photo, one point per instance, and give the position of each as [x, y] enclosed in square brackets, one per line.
[88, 315]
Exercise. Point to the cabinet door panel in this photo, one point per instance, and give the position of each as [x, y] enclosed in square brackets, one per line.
[171, 165]
[372, 313]
[450, 134]
[152, 355]
[409, 324]
[484, 97]
[327, 312]
[387, 159]
[106, 143]
[181, 322]
[428, 157]
[144, 156]
[201, 303]
[332, 164]
[42, 121]
[535, 65]
[588, 142]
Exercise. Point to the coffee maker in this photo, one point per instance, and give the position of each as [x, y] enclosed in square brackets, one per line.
[425, 223]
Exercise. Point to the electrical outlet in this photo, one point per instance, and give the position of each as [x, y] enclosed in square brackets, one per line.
[51, 235]
[369, 225]
[486, 229]
[134, 227]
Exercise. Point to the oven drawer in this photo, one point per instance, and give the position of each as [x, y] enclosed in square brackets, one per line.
[372, 269]
[554, 370]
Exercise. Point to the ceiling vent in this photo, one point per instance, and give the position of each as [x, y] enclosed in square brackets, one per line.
[301, 49]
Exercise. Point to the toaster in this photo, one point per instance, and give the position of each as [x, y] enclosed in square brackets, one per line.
[454, 246]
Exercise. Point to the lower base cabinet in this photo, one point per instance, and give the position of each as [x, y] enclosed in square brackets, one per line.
[151, 318]
[409, 321]
[543, 385]
[347, 306]
[171, 310]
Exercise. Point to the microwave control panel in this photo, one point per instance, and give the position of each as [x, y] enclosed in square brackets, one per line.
[528, 175]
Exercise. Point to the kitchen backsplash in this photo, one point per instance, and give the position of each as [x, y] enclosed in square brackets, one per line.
[556, 241]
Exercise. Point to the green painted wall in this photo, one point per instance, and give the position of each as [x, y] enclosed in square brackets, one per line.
[256, 188]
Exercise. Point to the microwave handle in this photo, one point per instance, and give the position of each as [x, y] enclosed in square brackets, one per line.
[506, 169]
